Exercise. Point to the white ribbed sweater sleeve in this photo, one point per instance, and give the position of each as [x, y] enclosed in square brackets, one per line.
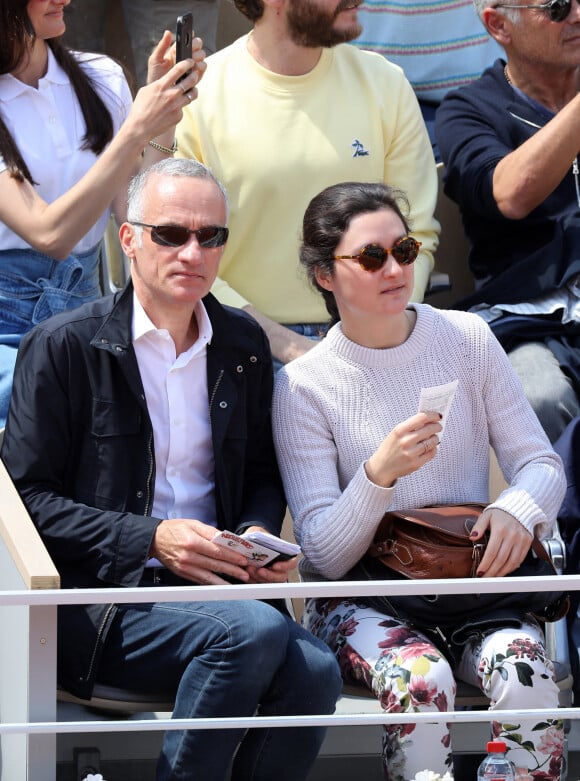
[333, 407]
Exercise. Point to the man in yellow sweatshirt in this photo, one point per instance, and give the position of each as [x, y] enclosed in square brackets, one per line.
[282, 113]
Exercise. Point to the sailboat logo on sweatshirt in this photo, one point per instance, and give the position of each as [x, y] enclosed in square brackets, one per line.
[359, 150]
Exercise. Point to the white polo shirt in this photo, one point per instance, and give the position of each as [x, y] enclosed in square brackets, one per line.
[177, 399]
[48, 126]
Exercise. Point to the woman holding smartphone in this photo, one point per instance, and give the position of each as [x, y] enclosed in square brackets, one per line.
[70, 139]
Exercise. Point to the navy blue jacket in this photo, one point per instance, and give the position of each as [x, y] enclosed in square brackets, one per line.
[79, 447]
[568, 448]
[520, 260]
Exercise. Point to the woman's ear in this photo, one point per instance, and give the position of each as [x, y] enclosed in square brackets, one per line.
[324, 279]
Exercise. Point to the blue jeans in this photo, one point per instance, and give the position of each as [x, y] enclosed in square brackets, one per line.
[33, 287]
[225, 659]
[428, 110]
[314, 331]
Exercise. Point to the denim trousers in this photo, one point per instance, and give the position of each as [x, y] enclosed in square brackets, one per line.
[235, 658]
[428, 110]
[33, 287]
[314, 331]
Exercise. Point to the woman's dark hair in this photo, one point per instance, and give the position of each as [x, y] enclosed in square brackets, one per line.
[252, 9]
[328, 216]
[15, 34]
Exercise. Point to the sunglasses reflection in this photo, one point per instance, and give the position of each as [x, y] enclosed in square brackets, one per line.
[557, 10]
[208, 237]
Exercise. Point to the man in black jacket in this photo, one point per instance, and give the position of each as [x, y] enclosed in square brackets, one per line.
[139, 425]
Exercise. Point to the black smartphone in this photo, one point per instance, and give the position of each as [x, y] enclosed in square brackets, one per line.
[183, 37]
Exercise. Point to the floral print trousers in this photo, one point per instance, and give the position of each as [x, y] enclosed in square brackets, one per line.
[410, 675]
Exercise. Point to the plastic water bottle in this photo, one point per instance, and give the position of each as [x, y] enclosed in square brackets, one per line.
[496, 766]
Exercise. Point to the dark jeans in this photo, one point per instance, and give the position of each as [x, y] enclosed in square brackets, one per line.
[226, 659]
[314, 331]
[428, 110]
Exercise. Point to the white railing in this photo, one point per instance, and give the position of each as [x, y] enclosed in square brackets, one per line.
[29, 743]
[52, 597]
[29, 596]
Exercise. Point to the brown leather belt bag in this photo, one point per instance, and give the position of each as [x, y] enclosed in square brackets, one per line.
[432, 542]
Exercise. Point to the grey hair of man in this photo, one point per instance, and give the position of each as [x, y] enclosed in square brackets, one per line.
[178, 167]
[510, 13]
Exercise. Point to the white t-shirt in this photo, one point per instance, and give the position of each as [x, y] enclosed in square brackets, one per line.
[48, 126]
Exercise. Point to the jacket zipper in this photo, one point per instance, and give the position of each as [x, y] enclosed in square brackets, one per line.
[112, 607]
[215, 387]
[104, 622]
[149, 475]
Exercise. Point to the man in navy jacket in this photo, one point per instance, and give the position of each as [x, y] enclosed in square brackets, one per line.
[139, 425]
[510, 145]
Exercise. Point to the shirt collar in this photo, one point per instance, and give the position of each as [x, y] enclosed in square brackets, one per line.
[13, 87]
[141, 324]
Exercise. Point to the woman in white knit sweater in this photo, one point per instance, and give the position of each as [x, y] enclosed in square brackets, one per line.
[351, 445]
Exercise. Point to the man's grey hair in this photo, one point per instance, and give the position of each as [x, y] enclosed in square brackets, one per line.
[481, 5]
[510, 13]
[179, 167]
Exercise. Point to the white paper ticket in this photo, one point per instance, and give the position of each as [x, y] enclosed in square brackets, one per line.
[438, 399]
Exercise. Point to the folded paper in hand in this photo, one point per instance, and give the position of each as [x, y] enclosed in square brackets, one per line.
[438, 399]
[261, 548]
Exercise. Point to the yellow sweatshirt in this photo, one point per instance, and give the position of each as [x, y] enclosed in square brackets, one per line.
[276, 141]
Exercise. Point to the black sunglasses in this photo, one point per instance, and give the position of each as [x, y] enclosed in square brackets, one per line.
[557, 10]
[373, 256]
[176, 236]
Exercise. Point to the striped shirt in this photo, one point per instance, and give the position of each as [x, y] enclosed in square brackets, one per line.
[439, 45]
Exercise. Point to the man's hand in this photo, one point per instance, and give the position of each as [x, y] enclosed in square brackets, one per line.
[284, 343]
[277, 572]
[509, 543]
[185, 547]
